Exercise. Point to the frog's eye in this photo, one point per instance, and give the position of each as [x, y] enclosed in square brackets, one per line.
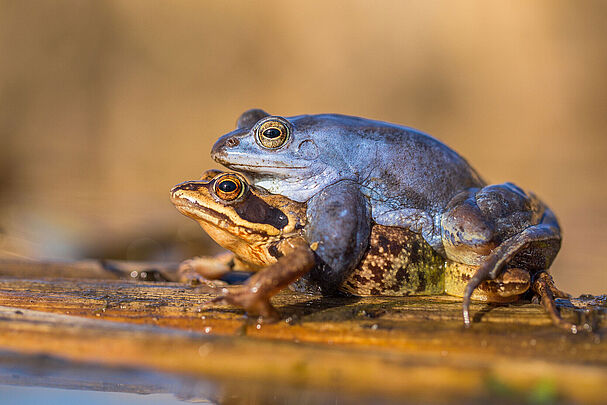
[228, 187]
[273, 133]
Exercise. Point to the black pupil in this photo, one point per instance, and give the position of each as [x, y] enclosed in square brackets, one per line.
[271, 133]
[228, 186]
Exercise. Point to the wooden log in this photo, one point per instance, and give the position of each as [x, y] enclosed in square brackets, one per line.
[89, 269]
[377, 346]
[360, 370]
[97, 269]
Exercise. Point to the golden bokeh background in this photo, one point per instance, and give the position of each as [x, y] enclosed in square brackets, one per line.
[106, 105]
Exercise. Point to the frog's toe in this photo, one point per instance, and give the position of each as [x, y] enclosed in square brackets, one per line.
[481, 274]
[222, 299]
[555, 291]
[252, 303]
[203, 271]
[466, 305]
[544, 287]
[193, 278]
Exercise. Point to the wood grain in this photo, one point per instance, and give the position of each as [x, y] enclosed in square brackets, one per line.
[379, 346]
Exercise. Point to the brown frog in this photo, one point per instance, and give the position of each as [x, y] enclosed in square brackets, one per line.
[267, 235]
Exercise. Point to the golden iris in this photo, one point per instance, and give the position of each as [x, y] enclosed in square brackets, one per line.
[228, 187]
[273, 133]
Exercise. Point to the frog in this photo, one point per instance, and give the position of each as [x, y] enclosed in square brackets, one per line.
[266, 234]
[353, 172]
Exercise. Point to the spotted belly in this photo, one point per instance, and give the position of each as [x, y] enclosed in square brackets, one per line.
[398, 262]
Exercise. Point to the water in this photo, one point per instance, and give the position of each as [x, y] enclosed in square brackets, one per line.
[36, 380]
[22, 395]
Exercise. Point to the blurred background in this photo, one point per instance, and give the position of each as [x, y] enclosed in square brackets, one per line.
[104, 106]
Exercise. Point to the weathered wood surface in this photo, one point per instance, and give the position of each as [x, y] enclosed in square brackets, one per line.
[383, 347]
[90, 269]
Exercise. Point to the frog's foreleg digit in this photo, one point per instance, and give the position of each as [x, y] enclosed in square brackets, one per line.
[205, 270]
[546, 279]
[254, 296]
[256, 307]
[482, 274]
[544, 287]
[501, 255]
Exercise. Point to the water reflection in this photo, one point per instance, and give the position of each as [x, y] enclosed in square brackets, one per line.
[52, 396]
[30, 379]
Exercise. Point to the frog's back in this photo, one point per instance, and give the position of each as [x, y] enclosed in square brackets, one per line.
[415, 170]
[408, 176]
[397, 167]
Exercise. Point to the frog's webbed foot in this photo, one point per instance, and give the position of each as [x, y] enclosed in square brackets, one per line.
[496, 226]
[504, 253]
[544, 287]
[545, 279]
[205, 270]
[254, 296]
[253, 303]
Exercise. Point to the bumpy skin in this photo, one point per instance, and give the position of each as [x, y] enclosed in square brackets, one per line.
[398, 262]
[408, 179]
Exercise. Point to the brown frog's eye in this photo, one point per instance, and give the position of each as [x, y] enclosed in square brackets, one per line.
[228, 187]
[273, 133]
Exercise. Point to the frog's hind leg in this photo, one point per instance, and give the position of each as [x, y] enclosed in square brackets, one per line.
[544, 235]
[505, 288]
[544, 287]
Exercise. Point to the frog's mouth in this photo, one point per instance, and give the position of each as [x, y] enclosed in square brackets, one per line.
[199, 212]
[258, 173]
[243, 167]
[193, 209]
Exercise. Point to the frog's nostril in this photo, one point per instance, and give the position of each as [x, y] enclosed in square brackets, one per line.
[220, 150]
[232, 142]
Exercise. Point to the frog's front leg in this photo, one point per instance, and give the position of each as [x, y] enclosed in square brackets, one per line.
[254, 296]
[338, 229]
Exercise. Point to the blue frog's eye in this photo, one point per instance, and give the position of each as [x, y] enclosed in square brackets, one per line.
[272, 133]
[228, 187]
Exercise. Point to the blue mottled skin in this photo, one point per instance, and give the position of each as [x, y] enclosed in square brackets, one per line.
[407, 176]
